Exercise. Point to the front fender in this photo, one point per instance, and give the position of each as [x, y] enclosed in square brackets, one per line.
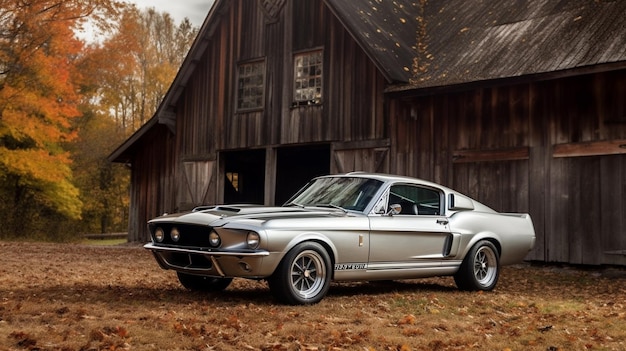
[313, 236]
[286, 242]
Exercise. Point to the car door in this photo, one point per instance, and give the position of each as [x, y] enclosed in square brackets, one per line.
[416, 237]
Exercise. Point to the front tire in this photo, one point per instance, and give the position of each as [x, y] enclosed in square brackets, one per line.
[480, 269]
[202, 283]
[303, 276]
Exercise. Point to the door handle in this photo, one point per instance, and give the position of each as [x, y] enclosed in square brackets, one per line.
[442, 221]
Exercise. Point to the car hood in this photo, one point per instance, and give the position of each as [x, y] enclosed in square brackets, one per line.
[218, 216]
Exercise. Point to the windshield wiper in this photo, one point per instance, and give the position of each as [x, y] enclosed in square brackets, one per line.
[289, 204]
[332, 206]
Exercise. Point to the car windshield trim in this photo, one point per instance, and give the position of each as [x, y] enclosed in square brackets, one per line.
[344, 193]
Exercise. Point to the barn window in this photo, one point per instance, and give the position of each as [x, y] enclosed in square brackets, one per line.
[308, 78]
[251, 85]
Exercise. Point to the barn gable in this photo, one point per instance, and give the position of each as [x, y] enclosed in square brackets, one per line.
[504, 100]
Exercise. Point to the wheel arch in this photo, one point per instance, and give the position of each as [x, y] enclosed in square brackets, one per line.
[332, 254]
[495, 243]
[487, 236]
[321, 239]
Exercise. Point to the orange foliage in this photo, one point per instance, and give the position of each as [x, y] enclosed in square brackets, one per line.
[38, 95]
[131, 70]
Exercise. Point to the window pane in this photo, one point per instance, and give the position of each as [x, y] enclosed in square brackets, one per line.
[308, 77]
[251, 85]
[415, 200]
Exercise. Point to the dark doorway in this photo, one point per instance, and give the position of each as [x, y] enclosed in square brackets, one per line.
[295, 166]
[244, 177]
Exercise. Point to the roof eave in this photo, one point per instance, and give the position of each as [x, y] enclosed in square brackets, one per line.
[388, 74]
[429, 89]
[165, 113]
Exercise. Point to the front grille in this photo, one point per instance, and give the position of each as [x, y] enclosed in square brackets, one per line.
[190, 235]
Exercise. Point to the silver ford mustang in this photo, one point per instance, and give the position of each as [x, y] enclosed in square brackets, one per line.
[356, 226]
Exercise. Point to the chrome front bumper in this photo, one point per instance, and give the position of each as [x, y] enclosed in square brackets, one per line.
[210, 262]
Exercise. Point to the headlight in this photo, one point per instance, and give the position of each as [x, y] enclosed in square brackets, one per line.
[175, 234]
[159, 235]
[214, 239]
[253, 240]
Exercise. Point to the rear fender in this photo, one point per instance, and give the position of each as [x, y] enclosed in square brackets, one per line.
[489, 236]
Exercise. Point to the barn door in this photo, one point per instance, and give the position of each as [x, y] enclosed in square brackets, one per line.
[197, 179]
[244, 176]
[295, 166]
[368, 160]
[502, 185]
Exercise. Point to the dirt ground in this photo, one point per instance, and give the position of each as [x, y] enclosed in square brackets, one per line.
[83, 297]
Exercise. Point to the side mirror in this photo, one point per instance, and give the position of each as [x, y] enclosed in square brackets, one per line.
[394, 209]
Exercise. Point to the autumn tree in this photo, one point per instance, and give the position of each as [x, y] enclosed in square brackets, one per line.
[137, 63]
[125, 77]
[164, 47]
[65, 105]
[38, 101]
[103, 185]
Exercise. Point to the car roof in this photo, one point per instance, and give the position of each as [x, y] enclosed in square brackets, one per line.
[391, 178]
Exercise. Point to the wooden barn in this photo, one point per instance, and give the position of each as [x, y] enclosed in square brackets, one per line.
[519, 104]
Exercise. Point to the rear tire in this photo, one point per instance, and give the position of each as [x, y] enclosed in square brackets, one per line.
[303, 276]
[202, 283]
[480, 269]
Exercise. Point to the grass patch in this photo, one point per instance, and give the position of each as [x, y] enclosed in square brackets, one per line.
[104, 242]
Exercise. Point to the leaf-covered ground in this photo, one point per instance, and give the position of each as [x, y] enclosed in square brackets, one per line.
[79, 297]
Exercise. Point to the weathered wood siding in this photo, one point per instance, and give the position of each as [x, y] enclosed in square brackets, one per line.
[207, 120]
[178, 172]
[153, 181]
[353, 91]
[555, 149]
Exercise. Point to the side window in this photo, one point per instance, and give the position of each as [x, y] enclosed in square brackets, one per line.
[416, 200]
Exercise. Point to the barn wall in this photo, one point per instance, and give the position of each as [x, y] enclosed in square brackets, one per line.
[207, 122]
[153, 181]
[555, 149]
[353, 90]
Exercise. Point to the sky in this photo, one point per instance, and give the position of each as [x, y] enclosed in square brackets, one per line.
[195, 10]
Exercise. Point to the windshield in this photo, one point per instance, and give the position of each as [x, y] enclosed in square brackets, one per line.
[347, 193]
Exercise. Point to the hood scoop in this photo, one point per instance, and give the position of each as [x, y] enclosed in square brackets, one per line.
[217, 208]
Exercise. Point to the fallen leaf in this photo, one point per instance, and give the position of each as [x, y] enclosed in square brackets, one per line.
[408, 319]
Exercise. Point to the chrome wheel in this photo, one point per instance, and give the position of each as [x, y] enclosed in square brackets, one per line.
[480, 269]
[303, 275]
[308, 274]
[485, 266]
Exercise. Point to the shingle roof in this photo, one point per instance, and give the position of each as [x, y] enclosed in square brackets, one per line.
[462, 41]
[465, 41]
